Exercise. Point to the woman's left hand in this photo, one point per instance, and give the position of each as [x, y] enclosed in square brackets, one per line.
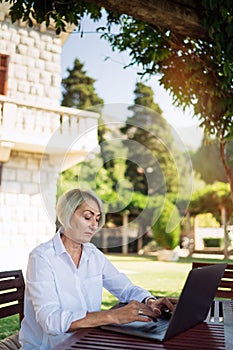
[162, 304]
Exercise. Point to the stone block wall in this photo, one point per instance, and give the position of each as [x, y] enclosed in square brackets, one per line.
[34, 78]
[31, 113]
[24, 216]
[34, 74]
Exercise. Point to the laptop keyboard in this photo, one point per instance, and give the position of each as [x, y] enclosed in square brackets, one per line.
[151, 327]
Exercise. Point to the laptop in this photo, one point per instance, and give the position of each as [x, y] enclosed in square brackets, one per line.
[192, 308]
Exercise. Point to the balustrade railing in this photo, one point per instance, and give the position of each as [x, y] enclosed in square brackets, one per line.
[41, 123]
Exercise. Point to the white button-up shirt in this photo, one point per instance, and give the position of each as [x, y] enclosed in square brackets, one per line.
[58, 293]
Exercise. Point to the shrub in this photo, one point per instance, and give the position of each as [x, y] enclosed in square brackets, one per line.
[212, 242]
[166, 228]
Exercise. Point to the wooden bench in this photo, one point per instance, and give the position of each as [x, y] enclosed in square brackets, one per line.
[225, 288]
[12, 288]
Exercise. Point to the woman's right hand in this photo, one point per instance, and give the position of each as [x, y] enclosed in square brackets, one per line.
[133, 311]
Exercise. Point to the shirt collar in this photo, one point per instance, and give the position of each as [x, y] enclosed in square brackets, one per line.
[60, 249]
[57, 242]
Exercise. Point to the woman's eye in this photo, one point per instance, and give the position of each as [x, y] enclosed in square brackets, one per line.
[90, 217]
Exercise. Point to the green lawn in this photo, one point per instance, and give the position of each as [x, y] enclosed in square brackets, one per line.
[8, 326]
[160, 278]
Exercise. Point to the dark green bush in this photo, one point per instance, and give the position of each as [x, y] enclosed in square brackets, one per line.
[212, 242]
[166, 224]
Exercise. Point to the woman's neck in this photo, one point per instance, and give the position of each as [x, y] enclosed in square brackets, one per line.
[73, 248]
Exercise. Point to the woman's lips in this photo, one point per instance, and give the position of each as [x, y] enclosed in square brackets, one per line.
[89, 233]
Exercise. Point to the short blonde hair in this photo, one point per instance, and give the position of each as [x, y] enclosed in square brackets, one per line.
[71, 200]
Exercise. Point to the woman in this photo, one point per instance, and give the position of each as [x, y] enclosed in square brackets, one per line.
[65, 277]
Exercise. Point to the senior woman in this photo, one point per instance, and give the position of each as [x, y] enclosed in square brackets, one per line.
[65, 277]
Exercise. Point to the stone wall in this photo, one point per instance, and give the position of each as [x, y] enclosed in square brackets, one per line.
[34, 78]
[34, 67]
[30, 117]
[24, 219]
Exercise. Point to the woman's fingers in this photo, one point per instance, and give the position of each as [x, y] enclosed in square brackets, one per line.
[136, 311]
[162, 304]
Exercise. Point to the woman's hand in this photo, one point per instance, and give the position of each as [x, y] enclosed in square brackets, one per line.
[134, 311]
[162, 304]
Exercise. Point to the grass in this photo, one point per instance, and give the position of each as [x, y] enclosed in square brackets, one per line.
[160, 278]
[8, 326]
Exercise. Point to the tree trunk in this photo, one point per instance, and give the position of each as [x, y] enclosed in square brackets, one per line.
[182, 17]
[226, 166]
[139, 242]
[225, 238]
[189, 233]
[230, 180]
[194, 236]
[125, 233]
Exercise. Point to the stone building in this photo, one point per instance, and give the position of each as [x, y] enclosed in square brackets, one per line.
[38, 138]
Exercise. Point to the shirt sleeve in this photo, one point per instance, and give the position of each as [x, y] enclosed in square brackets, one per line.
[44, 296]
[120, 285]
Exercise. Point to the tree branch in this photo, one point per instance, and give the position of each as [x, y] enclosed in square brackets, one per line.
[182, 16]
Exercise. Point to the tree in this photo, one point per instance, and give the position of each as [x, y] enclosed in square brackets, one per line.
[112, 151]
[84, 175]
[207, 162]
[202, 57]
[195, 65]
[182, 17]
[78, 88]
[154, 166]
[102, 172]
[198, 73]
[79, 92]
[211, 199]
[214, 198]
[150, 164]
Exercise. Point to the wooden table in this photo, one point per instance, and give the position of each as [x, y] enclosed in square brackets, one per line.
[215, 333]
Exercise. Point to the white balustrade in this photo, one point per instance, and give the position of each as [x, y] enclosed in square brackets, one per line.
[33, 127]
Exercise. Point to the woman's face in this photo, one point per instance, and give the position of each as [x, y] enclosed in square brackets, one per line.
[84, 222]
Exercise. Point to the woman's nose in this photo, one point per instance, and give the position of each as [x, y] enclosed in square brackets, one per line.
[94, 224]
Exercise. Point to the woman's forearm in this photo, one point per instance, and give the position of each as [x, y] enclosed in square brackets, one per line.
[93, 319]
[122, 315]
